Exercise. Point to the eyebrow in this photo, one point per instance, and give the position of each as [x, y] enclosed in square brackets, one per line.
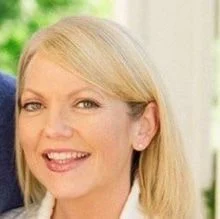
[72, 93]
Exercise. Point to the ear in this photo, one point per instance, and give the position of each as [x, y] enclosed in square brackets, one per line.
[147, 127]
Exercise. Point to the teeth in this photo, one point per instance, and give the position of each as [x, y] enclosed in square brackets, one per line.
[66, 155]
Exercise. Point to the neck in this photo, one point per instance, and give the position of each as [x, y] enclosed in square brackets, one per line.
[107, 203]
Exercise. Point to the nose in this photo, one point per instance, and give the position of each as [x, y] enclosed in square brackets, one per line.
[57, 125]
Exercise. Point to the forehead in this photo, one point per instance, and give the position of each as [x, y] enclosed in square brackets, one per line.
[45, 76]
[44, 71]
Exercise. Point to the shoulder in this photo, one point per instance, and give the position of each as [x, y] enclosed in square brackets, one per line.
[21, 213]
[10, 193]
[15, 213]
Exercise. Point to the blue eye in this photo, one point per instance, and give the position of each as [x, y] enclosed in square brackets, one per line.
[32, 106]
[87, 104]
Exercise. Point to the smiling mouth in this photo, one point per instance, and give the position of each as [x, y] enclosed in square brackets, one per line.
[62, 157]
[64, 161]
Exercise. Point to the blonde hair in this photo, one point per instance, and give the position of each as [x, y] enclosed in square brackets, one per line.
[104, 54]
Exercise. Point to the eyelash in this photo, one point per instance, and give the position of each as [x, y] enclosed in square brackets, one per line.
[31, 104]
[37, 106]
[92, 104]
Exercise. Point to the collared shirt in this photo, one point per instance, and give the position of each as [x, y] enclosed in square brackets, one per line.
[131, 208]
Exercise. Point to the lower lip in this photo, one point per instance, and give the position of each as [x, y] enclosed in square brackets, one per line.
[64, 167]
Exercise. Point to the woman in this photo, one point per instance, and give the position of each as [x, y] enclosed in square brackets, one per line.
[95, 137]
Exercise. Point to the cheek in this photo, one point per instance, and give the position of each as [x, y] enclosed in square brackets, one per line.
[110, 138]
[28, 132]
[28, 136]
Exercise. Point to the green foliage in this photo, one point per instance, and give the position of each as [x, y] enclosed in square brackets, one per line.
[209, 193]
[8, 9]
[19, 19]
[45, 4]
[209, 196]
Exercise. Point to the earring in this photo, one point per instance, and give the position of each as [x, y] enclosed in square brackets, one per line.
[140, 147]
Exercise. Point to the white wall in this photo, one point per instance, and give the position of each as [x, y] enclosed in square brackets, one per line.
[178, 36]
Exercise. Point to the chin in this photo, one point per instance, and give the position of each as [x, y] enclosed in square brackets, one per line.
[66, 193]
[73, 191]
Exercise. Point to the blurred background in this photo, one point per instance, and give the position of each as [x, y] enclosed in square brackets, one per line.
[20, 18]
[182, 40]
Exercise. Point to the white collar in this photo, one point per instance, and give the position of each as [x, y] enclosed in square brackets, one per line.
[131, 209]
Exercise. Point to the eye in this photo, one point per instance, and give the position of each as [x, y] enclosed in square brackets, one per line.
[32, 106]
[87, 104]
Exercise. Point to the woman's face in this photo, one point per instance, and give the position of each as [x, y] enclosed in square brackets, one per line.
[75, 137]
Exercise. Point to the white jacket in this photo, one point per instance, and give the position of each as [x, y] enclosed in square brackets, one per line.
[131, 209]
